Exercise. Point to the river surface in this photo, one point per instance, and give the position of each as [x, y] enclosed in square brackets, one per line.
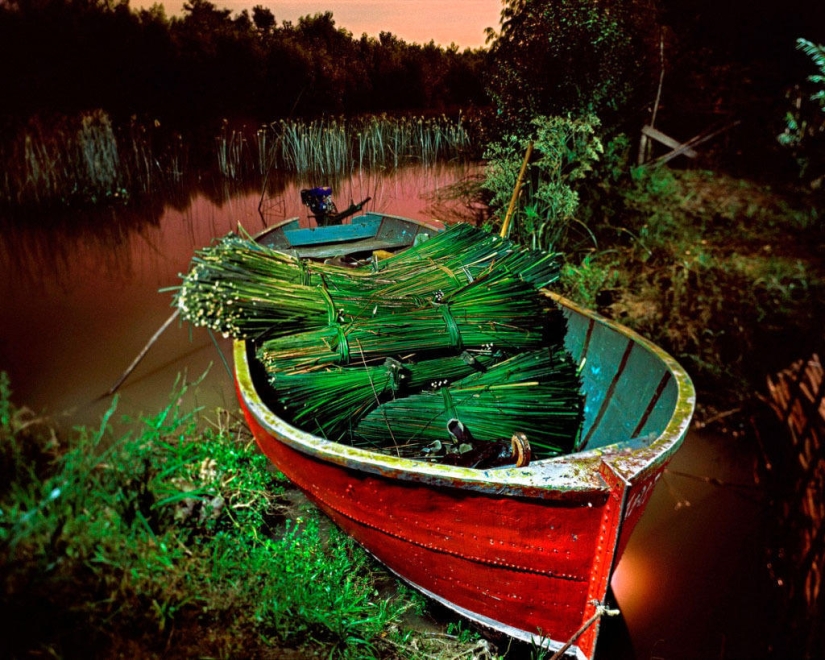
[81, 295]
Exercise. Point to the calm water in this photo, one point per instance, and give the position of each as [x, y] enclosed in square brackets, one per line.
[80, 297]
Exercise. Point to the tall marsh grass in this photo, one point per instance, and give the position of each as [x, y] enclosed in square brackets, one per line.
[385, 142]
[87, 158]
[334, 147]
[62, 159]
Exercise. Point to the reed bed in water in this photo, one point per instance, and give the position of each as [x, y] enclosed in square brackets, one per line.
[87, 159]
[332, 147]
[329, 147]
[61, 160]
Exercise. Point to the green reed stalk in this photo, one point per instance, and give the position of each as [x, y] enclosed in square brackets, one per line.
[497, 311]
[535, 393]
[331, 400]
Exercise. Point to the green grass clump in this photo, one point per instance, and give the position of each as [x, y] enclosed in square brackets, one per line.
[173, 540]
[723, 273]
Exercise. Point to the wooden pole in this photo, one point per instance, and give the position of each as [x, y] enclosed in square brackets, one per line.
[644, 142]
[505, 227]
[142, 354]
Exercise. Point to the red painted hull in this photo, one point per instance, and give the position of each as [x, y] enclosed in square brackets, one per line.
[528, 551]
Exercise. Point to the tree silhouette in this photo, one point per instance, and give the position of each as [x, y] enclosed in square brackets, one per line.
[569, 56]
[74, 55]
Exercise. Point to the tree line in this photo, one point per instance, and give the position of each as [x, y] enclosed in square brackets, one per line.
[693, 64]
[69, 56]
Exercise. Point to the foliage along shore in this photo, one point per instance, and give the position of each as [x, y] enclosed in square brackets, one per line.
[176, 540]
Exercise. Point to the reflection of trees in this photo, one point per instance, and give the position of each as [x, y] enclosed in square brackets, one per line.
[72, 55]
[46, 249]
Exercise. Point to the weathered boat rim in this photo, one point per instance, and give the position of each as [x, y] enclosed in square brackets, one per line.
[634, 456]
[433, 224]
[570, 475]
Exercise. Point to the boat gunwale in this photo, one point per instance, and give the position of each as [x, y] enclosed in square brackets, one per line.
[562, 477]
[436, 225]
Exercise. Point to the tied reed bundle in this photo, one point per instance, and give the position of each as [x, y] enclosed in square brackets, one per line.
[463, 253]
[535, 393]
[243, 289]
[373, 355]
[498, 312]
[330, 401]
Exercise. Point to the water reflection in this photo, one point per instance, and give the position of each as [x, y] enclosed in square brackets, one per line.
[692, 582]
[81, 292]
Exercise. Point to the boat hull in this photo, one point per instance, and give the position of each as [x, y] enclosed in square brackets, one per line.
[526, 551]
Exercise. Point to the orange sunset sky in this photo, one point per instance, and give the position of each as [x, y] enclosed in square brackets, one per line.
[445, 21]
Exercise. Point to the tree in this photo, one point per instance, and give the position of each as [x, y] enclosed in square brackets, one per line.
[263, 18]
[557, 57]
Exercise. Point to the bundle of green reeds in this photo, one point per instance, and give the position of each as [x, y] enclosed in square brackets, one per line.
[243, 289]
[497, 311]
[535, 393]
[378, 355]
[462, 253]
[330, 401]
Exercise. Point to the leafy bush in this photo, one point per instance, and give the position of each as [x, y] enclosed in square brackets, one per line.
[566, 151]
[804, 133]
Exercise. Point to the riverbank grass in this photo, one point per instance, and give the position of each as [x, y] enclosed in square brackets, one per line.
[175, 540]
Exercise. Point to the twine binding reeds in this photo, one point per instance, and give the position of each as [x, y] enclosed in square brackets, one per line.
[497, 311]
[535, 393]
[373, 356]
[332, 399]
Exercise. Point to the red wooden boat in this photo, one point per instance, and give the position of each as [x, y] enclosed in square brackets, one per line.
[528, 551]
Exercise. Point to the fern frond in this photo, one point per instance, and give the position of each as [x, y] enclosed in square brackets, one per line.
[817, 53]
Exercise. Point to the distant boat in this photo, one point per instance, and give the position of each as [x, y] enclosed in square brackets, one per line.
[528, 551]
